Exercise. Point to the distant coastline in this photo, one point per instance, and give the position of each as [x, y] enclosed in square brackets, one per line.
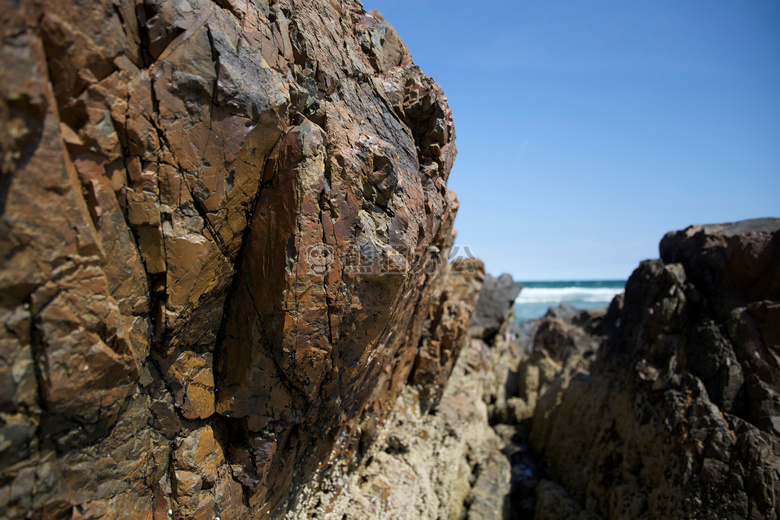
[537, 296]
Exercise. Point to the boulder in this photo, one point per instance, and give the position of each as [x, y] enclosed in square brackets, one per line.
[495, 303]
[222, 225]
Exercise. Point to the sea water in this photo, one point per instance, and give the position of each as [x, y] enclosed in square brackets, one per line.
[537, 297]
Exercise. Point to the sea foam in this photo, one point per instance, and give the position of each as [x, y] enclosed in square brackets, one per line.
[556, 295]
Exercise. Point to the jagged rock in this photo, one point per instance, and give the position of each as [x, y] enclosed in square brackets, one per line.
[522, 334]
[505, 358]
[443, 335]
[678, 415]
[563, 311]
[495, 326]
[566, 338]
[221, 221]
[495, 303]
[419, 464]
[731, 264]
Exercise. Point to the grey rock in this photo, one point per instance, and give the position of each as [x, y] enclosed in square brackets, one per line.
[562, 311]
[495, 303]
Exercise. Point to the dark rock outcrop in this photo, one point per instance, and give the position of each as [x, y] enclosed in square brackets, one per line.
[495, 303]
[526, 358]
[677, 416]
[222, 229]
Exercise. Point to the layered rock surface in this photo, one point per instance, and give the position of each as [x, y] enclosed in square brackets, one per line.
[224, 226]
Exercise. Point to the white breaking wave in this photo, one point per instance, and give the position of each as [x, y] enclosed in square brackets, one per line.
[567, 294]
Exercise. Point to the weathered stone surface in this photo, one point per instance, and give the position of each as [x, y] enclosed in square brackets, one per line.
[678, 415]
[490, 494]
[568, 343]
[419, 465]
[223, 232]
[222, 224]
[494, 325]
[443, 333]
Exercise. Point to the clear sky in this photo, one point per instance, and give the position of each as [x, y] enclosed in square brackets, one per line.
[587, 129]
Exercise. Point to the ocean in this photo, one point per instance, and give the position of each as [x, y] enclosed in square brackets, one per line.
[537, 297]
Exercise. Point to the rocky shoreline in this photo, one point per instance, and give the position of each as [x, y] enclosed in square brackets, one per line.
[224, 293]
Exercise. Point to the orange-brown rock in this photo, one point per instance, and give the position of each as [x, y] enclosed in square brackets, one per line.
[222, 226]
[446, 329]
[436, 456]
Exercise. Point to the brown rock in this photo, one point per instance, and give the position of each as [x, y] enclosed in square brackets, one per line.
[200, 452]
[421, 464]
[222, 228]
[193, 383]
[86, 363]
[445, 332]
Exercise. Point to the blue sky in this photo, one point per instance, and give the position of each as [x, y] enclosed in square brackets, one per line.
[586, 130]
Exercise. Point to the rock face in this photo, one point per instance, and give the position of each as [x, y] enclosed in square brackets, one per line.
[431, 459]
[223, 228]
[678, 415]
